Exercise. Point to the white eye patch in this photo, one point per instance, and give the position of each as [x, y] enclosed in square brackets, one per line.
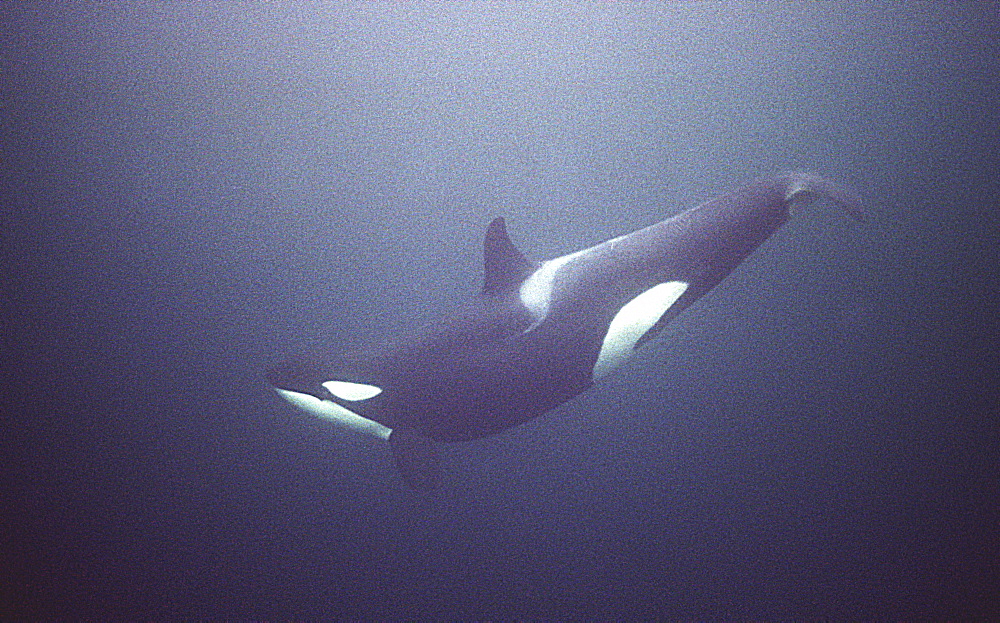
[352, 391]
[631, 323]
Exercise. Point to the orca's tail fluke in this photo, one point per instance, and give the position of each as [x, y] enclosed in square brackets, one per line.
[804, 188]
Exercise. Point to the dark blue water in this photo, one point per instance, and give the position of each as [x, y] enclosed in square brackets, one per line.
[190, 193]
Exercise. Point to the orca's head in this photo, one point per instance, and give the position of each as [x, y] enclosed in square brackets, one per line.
[320, 390]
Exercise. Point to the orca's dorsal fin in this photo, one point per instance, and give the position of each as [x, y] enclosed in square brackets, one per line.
[504, 266]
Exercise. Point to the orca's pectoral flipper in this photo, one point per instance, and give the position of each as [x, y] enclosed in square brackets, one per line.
[416, 458]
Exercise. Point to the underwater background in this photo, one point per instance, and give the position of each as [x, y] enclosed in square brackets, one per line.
[191, 192]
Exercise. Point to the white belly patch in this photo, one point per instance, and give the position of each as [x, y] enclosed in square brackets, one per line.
[631, 323]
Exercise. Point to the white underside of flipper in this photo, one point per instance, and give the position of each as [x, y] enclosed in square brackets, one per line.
[631, 323]
[329, 410]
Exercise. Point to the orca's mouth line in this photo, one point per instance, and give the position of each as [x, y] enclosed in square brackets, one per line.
[335, 412]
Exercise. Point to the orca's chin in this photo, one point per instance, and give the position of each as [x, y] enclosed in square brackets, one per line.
[330, 410]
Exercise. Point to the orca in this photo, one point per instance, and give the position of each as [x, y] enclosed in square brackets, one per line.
[539, 334]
